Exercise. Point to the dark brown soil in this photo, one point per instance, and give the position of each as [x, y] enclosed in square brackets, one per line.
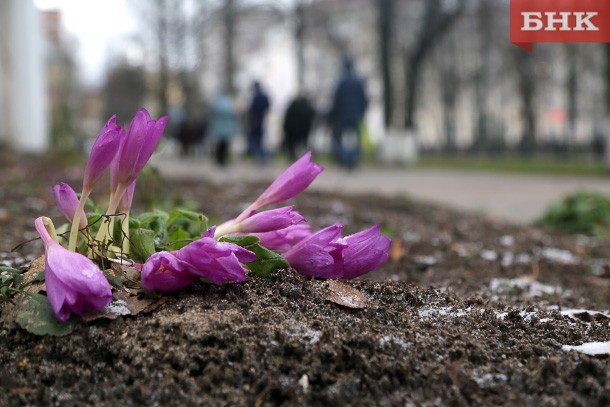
[446, 323]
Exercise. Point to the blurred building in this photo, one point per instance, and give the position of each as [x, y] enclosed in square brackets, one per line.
[62, 95]
[23, 114]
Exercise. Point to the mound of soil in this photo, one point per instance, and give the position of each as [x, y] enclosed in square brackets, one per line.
[469, 311]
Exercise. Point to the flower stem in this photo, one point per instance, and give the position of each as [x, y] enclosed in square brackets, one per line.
[125, 229]
[76, 221]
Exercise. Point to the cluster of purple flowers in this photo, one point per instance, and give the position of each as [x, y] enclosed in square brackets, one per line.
[75, 284]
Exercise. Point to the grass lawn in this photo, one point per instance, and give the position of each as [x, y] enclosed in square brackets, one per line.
[541, 165]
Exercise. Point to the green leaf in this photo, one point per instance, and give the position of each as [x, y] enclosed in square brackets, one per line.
[266, 261]
[142, 244]
[242, 241]
[155, 221]
[178, 238]
[36, 316]
[192, 222]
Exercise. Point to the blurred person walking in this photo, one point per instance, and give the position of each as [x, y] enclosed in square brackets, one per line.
[259, 106]
[349, 105]
[223, 126]
[297, 124]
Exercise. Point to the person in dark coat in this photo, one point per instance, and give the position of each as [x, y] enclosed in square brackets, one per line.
[259, 106]
[349, 105]
[297, 125]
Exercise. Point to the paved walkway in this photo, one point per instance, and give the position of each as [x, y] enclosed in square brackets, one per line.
[518, 198]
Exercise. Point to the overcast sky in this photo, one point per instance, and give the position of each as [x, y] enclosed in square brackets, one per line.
[96, 25]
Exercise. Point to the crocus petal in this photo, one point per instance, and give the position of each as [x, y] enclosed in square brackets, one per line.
[102, 153]
[74, 283]
[217, 261]
[290, 183]
[326, 254]
[311, 260]
[165, 273]
[67, 201]
[270, 220]
[364, 252]
[139, 144]
[284, 239]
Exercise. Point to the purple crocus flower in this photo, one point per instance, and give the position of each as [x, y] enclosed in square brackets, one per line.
[290, 183]
[67, 201]
[204, 258]
[74, 283]
[137, 147]
[326, 254]
[265, 221]
[164, 272]
[102, 153]
[284, 239]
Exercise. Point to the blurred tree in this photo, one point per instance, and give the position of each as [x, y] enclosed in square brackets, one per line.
[385, 27]
[449, 87]
[229, 17]
[438, 18]
[607, 45]
[125, 90]
[527, 90]
[486, 29]
[172, 33]
[572, 93]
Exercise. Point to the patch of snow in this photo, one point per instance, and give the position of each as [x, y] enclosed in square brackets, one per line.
[489, 255]
[387, 340]
[427, 260]
[572, 313]
[488, 378]
[531, 288]
[559, 256]
[118, 307]
[441, 312]
[508, 258]
[590, 348]
[523, 258]
[507, 240]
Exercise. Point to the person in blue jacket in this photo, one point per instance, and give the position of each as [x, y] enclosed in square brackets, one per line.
[349, 106]
[259, 106]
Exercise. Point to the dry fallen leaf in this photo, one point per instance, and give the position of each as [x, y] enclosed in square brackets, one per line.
[345, 295]
[397, 250]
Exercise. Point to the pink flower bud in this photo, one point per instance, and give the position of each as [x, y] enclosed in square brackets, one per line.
[137, 147]
[102, 153]
[290, 183]
[67, 201]
[326, 254]
[217, 261]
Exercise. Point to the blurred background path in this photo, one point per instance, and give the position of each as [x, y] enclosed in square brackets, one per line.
[518, 198]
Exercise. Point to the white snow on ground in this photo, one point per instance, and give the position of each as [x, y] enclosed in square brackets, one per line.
[572, 313]
[559, 256]
[530, 287]
[118, 307]
[489, 255]
[591, 348]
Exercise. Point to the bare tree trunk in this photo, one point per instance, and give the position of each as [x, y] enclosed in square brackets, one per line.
[527, 89]
[299, 36]
[572, 91]
[481, 76]
[385, 28]
[229, 40]
[435, 25]
[607, 45]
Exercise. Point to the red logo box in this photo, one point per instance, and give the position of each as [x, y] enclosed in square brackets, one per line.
[559, 21]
